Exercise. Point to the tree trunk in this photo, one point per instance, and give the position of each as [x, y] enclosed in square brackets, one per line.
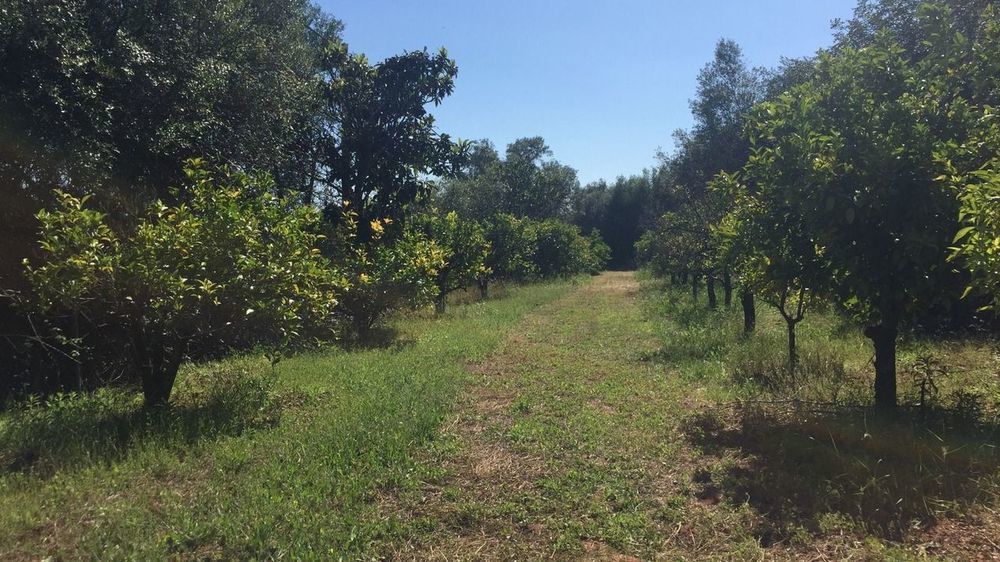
[883, 337]
[439, 303]
[156, 387]
[793, 356]
[749, 311]
[157, 368]
[727, 288]
[159, 376]
[484, 288]
[363, 327]
[684, 277]
[694, 287]
[713, 301]
[78, 361]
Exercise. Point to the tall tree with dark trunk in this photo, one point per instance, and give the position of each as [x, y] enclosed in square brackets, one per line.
[851, 154]
[379, 146]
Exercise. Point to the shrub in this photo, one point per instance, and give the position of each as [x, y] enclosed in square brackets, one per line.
[465, 250]
[512, 242]
[231, 264]
[561, 250]
[600, 253]
[388, 275]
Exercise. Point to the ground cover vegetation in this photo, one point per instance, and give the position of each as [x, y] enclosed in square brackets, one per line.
[254, 304]
[681, 439]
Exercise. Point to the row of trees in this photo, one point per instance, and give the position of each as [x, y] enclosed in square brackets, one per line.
[308, 214]
[865, 177]
[528, 182]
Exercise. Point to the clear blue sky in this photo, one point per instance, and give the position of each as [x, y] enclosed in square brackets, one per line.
[605, 82]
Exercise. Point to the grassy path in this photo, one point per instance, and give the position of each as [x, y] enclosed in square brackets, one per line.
[607, 426]
[564, 445]
[249, 470]
[595, 421]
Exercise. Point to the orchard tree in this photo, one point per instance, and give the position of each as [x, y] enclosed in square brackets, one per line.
[231, 264]
[561, 250]
[386, 275]
[380, 146]
[862, 139]
[972, 167]
[902, 19]
[512, 242]
[768, 242]
[727, 90]
[464, 248]
[111, 98]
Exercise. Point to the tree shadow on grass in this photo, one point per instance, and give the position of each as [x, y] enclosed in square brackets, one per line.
[75, 431]
[379, 337]
[885, 476]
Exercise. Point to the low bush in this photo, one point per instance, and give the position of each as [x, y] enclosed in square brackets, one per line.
[561, 250]
[464, 248]
[386, 276]
[512, 243]
[231, 265]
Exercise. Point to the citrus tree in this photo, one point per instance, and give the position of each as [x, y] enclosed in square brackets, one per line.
[851, 154]
[386, 274]
[560, 250]
[231, 263]
[511, 242]
[768, 244]
[464, 248]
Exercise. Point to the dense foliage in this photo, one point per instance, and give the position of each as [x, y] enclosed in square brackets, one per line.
[463, 246]
[385, 276]
[111, 100]
[847, 184]
[231, 264]
[560, 249]
[618, 211]
[378, 144]
[527, 183]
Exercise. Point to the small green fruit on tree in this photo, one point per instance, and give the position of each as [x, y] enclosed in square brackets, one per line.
[231, 263]
[388, 275]
[511, 242]
[465, 249]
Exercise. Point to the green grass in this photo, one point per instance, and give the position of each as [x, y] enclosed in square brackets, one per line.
[595, 420]
[616, 423]
[806, 451]
[249, 463]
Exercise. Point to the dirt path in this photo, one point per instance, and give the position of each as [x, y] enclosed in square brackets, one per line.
[581, 437]
[560, 447]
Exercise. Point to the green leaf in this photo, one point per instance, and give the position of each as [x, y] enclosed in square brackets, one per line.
[962, 233]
